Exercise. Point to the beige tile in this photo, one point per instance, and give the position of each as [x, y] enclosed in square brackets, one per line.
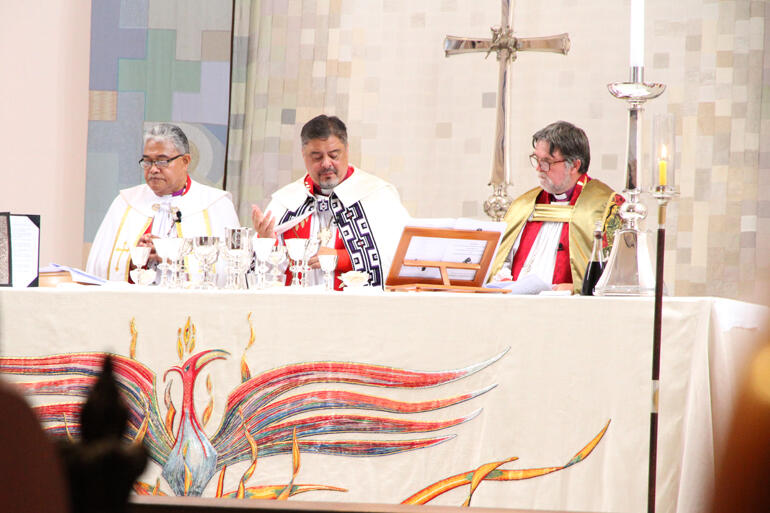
[215, 45]
[102, 105]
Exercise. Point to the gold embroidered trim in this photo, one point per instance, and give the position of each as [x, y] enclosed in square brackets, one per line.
[553, 213]
[115, 242]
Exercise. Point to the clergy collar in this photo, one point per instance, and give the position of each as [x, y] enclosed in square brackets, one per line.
[313, 188]
[183, 190]
[569, 195]
[565, 196]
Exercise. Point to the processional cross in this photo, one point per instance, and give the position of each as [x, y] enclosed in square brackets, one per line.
[505, 45]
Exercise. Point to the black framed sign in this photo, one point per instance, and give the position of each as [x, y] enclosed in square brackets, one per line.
[24, 249]
[5, 250]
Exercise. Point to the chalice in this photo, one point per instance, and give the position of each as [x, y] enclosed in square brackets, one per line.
[206, 250]
[276, 258]
[238, 251]
[263, 246]
[168, 249]
[328, 265]
[297, 248]
[139, 257]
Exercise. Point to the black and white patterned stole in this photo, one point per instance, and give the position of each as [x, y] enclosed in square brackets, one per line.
[359, 242]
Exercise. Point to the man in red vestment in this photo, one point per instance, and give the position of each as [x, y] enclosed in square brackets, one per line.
[550, 228]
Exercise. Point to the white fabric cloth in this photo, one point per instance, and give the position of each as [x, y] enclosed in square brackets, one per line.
[541, 259]
[205, 211]
[553, 391]
[379, 200]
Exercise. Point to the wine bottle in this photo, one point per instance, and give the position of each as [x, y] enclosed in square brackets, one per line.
[595, 264]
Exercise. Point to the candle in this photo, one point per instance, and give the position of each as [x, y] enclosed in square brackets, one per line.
[663, 167]
[637, 33]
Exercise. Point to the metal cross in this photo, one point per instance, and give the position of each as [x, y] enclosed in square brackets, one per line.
[505, 45]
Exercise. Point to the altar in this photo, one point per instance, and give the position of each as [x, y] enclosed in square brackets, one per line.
[420, 398]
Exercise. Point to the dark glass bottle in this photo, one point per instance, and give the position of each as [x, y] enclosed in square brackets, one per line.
[595, 264]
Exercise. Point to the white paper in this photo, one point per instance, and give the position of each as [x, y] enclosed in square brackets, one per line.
[25, 250]
[77, 275]
[528, 285]
[448, 250]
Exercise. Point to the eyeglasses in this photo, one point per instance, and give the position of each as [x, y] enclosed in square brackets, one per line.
[161, 164]
[544, 164]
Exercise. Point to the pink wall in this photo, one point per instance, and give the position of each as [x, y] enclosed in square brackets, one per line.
[44, 63]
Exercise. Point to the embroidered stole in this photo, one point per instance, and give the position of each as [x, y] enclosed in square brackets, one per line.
[353, 233]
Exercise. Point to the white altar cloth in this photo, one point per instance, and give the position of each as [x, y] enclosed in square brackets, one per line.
[568, 366]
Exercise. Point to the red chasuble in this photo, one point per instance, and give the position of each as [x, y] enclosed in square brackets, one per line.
[562, 272]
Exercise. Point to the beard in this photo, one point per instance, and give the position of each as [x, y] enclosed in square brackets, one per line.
[328, 181]
[553, 188]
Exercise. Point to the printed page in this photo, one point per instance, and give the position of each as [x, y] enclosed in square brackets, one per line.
[447, 250]
[470, 251]
[25, 250]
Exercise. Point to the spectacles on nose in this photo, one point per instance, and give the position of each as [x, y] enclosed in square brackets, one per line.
[544, 164]
[160, 164]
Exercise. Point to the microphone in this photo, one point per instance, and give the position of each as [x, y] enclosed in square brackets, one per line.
[178, 216]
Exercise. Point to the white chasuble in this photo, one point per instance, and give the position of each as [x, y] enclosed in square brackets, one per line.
[204, 211]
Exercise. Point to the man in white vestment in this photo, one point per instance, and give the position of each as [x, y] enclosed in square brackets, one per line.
[169, 204]
[350, 212]
[550, 228]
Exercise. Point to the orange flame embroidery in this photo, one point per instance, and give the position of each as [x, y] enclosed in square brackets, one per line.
[134, 333]
[251, 332]
[210, 406]
[481, 473]
[245, 371]
[179, 346]
[221, 483]
[187, 473]
[286, 493]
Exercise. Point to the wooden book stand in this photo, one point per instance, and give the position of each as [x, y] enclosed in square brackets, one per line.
[399, 277]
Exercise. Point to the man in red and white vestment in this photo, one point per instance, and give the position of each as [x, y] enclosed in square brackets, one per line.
[169, 203]
[353, 214]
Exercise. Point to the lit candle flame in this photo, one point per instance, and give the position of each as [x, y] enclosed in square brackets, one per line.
[663, 167]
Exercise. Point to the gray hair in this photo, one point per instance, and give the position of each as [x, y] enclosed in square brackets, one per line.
[571, 141]
[168, 132]
[323, 126]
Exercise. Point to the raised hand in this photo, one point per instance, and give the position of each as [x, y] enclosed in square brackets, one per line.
[264, 223]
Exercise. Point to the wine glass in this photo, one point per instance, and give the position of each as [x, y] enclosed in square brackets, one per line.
[262, 248]
[310, 251]
[181, 269]
[206, 250]
[277, 257]
[139, 255]
[238, 251]
[164, 250]
[328, 265]
[296, 248]
[169, 248]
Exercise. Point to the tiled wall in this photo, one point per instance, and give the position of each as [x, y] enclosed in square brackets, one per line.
[426, 122]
